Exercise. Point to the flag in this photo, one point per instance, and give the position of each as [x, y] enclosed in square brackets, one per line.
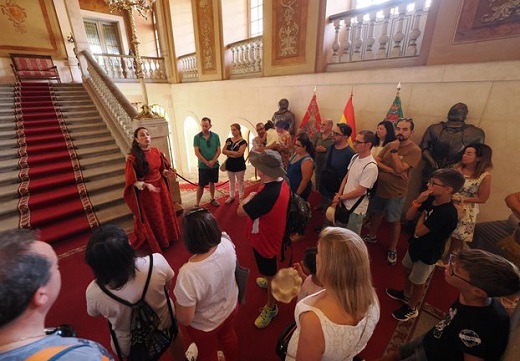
[348, 118]
[396, 110]
[311, 120]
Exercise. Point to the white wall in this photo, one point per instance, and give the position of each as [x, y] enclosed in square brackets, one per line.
[491, 91]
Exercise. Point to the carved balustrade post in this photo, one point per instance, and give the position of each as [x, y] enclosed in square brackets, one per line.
[398, 36]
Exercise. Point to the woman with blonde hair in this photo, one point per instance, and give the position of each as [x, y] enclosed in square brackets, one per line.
[337, 322]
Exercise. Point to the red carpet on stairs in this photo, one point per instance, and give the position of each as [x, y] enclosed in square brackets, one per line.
[53, 196]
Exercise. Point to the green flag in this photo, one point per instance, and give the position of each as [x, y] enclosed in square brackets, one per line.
[396, 111]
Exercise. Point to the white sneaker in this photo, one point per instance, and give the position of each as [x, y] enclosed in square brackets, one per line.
[192, 352]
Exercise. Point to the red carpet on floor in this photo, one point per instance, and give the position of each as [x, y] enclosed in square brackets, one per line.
[52, 193]
[254, 344]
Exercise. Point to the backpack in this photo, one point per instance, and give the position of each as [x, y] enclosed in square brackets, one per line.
[298, 216]
[147, 341]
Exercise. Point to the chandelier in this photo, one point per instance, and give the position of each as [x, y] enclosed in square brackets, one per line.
[141, 6]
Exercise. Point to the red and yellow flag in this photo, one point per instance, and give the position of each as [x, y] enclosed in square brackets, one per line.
[348, 118]
[311, 120]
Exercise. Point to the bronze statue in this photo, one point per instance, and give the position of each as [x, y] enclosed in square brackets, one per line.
[443, 142]
[283, 113]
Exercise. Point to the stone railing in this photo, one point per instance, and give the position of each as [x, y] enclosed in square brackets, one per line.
[187, 67]
[115, 108]
[387, 31]
[246, 56]
[120, 67]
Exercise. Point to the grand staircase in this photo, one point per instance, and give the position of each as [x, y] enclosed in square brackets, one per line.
[101, 160]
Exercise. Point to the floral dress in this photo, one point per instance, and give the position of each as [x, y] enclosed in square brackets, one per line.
[468, 216]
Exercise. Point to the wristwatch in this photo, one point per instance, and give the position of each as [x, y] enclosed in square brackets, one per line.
[393, 151]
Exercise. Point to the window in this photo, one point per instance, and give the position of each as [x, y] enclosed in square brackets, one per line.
[103, 37]
[256, 18]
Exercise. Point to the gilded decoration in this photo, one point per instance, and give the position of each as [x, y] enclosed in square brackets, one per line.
[206, 35]
[16, 14]
[488, 19]
[30, 26]
[289, 21]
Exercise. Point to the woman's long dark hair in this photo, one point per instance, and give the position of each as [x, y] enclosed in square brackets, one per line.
[390, 133]
[307, 144]
[141, 164]
[111, 256]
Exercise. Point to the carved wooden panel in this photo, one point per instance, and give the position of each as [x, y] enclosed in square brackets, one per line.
[289, 31]
[488, 19]
[205, 27]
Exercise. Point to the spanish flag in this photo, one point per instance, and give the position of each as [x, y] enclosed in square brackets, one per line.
[348, 118]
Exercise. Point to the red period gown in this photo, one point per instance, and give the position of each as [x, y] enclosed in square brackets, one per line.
[155, 221]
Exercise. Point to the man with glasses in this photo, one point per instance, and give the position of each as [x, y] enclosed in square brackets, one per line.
[476, 327]
[260, 141]
[396, 162]
[437, 219]
[361, 176]
[207, 150]
[322, 142]
[337, 161]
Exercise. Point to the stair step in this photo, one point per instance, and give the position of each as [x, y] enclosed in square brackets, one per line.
[116, 168]
[118, 214]
[115, 158]
[9, 176]
[103, 150]
[101, 161]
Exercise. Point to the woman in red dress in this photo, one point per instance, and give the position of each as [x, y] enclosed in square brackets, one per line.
[147, 195]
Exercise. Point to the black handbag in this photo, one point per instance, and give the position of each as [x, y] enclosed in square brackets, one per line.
[342, 214]
[283, 340]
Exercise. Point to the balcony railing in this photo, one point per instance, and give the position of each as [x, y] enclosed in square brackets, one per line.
[187, 67]
[387, 31]
[119, 67]
[246, 56]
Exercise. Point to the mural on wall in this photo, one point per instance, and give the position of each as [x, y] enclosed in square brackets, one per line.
[289, 24]
[487, 20]
[205, 25]
[16, 14]
[29, 26]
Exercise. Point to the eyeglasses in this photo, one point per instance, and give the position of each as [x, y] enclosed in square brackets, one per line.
[451, 261]
[337, 134]
[196, 210]
[432, 183]
[359, 142]
[208, 142]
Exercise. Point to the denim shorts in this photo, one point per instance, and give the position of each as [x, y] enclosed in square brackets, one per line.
[392, 207]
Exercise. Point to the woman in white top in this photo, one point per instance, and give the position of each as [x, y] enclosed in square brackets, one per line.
[206, 290]
[118, 269]
[385, 133]
[336, 323]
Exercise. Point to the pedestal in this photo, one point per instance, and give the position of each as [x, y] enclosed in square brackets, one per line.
[158, 128]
